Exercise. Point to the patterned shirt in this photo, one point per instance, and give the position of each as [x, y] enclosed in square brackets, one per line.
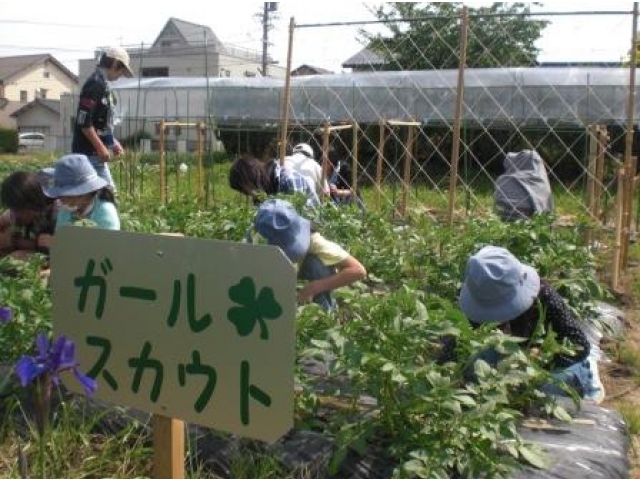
[557, 316]
[290, 182]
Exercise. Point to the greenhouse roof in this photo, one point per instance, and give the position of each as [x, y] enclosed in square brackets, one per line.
[510, 95]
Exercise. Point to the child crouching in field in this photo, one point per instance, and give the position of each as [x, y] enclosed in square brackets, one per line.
[325, 264]
[27, 225]
[81, 193]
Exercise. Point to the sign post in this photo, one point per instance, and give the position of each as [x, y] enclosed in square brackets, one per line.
[197, 330]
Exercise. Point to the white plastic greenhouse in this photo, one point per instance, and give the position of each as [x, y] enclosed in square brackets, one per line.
[548, 97]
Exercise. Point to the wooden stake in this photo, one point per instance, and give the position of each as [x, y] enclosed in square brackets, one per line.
[168, 447]
[201, 132]
[591, 169]
[163, 166]
[381, 142]
[615, 267]
[325, 150]
[629, 159]
[354, 159]
[286, 96]
[601, 136]
[406, 178]
[401, 123]
[455, 153]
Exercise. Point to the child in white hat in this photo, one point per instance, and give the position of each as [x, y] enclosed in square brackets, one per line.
[93, 133]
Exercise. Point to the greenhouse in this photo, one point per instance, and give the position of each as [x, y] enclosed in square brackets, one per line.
[512, 96]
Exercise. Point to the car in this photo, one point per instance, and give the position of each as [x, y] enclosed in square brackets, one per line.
[31, 140]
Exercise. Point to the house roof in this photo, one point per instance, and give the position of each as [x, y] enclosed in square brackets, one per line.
[363, 58]
[13, 66]
[53, 105]
[318, 70]
[192, 33]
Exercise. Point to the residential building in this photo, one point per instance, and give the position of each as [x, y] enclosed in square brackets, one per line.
[365, 60]
[306, 69]
[185, 49]
[44, 116]
[26, 78]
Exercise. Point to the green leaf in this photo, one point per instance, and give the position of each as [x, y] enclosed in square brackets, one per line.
[532, 457]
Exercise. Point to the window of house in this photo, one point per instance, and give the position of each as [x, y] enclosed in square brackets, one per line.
[23, 96]
[43, 93]
[247, 73]
[155, 72]
[46, 74]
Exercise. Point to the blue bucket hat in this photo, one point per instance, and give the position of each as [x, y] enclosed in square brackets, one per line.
[279, 223]
[72, 175]
[497, 287]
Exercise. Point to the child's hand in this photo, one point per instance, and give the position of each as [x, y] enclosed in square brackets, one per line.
[117, 148]
[306, 294]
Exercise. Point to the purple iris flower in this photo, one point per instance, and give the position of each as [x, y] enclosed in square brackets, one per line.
[52, 359]
[5, 315]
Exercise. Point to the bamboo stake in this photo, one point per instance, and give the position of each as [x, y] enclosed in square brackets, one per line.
[325, 150]
[163, 167]
[601, 137]
[286, 96]
[591, 172]
[455, 153]
[629, 159]
[617, 250]
[335, 128]
[354, 160]
[402, 123]
[591, 169]
[406, 178]
[381, 142]
[199, 149]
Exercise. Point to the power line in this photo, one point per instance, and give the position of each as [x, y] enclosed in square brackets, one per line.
[47, 48]
[54, 24]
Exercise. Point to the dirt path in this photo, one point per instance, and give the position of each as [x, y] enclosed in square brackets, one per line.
[621, 377]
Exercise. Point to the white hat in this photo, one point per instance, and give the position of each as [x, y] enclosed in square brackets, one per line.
[304, 148]
[119, 53]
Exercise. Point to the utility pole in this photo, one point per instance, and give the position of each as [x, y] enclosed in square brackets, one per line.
[268, 8]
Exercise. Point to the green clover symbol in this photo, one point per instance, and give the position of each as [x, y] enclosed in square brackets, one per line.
[252, 309]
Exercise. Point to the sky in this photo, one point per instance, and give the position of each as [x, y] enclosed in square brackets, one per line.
[71, 30]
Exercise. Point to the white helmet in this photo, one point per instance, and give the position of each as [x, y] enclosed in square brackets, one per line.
[304, 148]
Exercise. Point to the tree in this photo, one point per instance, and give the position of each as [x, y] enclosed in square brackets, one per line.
[425, 36]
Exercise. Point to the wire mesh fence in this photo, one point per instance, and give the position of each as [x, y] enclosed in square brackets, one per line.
[432, 108]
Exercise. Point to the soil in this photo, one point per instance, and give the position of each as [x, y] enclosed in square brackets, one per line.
[622, 386]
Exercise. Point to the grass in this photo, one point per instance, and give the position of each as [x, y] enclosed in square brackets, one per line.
[74, 447]
[631, 415]
[78, 446]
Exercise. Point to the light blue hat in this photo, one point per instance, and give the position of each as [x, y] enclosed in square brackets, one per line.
[497, 287]
[72, 175]
[279, 223]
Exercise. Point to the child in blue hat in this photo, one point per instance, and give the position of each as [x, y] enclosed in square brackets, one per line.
[81, 193]
[499, 289]
[325, 264]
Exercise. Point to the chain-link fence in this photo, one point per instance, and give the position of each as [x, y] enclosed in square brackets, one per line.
[431, 136]
[421, 134]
